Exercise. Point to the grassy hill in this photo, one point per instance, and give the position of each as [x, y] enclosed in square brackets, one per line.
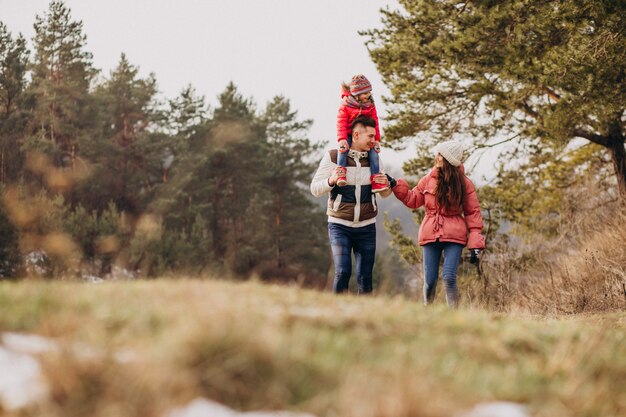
[253, 346]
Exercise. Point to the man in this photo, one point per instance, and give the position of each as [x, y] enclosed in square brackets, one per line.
[352, 208]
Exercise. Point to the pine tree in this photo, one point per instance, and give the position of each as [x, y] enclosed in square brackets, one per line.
[10, 260]
[523, 71]
[185, 154]
[187, 115]
[295, 224]
[61, 77]
[233, 170]
[13, 117]
[126, 152]
[216, 175]
[181, 200]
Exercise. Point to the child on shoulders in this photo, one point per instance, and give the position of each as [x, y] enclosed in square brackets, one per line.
[357, 101]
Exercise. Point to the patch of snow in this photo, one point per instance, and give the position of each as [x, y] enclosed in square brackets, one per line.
[274, 414]
[92, 279]
[119, 273]
[201, 407]
[21, 382]
[34, 345]
[37, 262]
[497, 409]
[126, 356]
[116, 273]
[28, 344]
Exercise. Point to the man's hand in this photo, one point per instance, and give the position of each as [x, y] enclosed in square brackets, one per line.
[392, 181]
[343, 146]
[338, 172]
[377, 147]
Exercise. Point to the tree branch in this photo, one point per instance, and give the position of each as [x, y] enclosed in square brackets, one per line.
[552, 94]
[492, 145]
[463, 8]
[592, 137]
[485, 146]
[529, 110]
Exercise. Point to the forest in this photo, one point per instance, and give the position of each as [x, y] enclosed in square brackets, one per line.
[98, 171]
[101, 176]
[165, 257]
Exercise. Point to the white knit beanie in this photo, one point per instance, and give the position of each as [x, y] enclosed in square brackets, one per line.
[452, 151]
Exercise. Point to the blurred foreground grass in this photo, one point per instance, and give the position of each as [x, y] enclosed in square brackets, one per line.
[253, 346]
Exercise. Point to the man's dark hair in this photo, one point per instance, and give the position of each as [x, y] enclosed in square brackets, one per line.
[364, 121]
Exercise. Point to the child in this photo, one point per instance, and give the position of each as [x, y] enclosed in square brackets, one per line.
[357, 101]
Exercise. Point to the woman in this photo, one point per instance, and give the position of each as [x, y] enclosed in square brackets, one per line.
[452, 220]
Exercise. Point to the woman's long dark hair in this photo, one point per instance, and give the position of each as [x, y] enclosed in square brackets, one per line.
[450, 186]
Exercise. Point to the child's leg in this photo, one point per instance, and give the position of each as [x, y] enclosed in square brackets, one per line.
[342, 158]
[374, 164]
[375, 170]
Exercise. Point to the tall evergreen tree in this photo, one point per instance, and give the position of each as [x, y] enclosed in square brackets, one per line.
[13, 118]
[296, 225]
[187, 116]
[187, 112]
[185, 152]
[216, 177]
[62, 73]
[10, 261]
[543, 71]
[125, 151]
[233, 170]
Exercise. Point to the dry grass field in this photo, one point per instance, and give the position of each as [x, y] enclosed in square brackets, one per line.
[253, 346]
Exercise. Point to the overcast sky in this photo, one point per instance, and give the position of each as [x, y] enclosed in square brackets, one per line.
[300, 49]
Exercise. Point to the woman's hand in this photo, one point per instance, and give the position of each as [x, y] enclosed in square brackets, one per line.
[392, 181]
[475, 256]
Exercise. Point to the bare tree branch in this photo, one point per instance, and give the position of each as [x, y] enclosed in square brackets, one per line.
[492, 145]
[592, 137]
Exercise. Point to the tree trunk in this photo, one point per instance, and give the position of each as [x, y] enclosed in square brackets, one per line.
[615, 143]
[219, 249]
[279, 245]
[618, 157]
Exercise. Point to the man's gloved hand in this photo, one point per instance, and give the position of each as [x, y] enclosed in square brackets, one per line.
[474, 256]
[392, 181]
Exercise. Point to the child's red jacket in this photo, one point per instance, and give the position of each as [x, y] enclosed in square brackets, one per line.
[350, 110]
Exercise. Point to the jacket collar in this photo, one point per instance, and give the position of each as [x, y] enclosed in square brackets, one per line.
[353, 103]
[357, 154]
[350, 101]
[344, 92]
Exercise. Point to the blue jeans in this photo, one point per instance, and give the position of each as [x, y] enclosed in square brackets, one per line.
[451, 258]
[343, 241]
[342, 158]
